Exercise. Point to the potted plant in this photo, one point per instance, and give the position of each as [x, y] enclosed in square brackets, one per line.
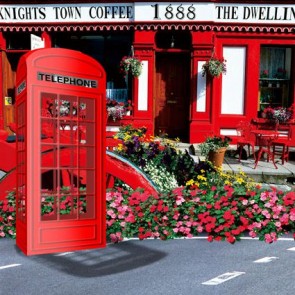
[214, 67]
[213, 148]
[132, 65]
[280, 114]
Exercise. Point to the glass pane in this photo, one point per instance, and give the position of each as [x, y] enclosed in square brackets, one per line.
[87, 133]
[67, 106]
[48, 105]
[87, 111]
[48, 206]
[87, 157]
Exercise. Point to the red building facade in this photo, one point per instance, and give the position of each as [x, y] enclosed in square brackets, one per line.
[173, 40]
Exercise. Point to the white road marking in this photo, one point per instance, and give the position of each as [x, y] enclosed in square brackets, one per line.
[291, 249]
[63, 254]
[265, 259]
[223, 278]
[10, 265]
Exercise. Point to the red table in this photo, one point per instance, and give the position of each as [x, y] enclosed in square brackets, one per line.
[264, 139]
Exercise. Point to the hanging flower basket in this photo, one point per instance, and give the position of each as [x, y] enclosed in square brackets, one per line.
[131, 65]
[214, 67]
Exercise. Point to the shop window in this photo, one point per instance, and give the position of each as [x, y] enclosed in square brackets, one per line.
[173, 40]
[108, 49]
[18, 41]
[274, 80]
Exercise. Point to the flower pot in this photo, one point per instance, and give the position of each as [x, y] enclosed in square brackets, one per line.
[217, 157]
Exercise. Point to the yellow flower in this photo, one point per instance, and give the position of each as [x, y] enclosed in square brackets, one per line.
[227, 182]
[201, 177]
[240, 180]
[190, 182]
[127, 137]
[120, 147]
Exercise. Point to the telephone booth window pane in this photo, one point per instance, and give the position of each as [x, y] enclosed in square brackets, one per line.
[88, 178]
[88, 133]
[86, 208]
[49, 156]
[68, 106]
[67, 131]
[67, 204]
[50, 181]
[21, 201]
[21, 162]
[48, 105]
[48, 206]
[87, 159]
[87, 109]
[82, 204]
[49, 128]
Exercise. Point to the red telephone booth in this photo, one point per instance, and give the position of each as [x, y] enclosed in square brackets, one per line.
[60, 111]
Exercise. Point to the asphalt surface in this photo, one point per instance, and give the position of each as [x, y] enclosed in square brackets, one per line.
[151, 267]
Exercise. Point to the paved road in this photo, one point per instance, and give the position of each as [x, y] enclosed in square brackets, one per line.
[152, 267]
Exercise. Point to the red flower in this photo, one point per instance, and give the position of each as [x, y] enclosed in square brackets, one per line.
[244, 220]
[289, 199]
[210, 238]
[218, 238]
[231, 239]
[228, 215]
[153, 208]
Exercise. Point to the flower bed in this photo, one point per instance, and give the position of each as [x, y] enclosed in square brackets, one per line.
[218, 210]
[204, 200]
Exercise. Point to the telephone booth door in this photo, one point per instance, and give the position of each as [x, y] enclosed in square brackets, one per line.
[60, 106]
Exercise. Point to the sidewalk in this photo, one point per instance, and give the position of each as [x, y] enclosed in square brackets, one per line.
[265, 172]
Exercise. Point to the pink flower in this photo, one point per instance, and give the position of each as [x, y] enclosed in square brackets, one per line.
[200, 229]
[245, 202]
[263, 197]
[176, 215]
[265, 213]
[179, 200]
[268, 238]
[130, 218]
[110, 222]
[11, 232]
[111, 213]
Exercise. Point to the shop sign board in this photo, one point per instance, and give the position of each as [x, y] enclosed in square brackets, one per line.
[156, 12]
[36, 42]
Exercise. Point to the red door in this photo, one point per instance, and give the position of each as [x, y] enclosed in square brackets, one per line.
[171, 100]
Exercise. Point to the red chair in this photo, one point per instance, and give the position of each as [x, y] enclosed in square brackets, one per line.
[246, 138]
[264, 140]
[282, 143]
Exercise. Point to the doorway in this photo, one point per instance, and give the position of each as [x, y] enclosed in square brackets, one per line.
[172, 93]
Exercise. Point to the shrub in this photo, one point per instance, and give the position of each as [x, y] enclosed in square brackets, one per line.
[7, 216]
[140, 149]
